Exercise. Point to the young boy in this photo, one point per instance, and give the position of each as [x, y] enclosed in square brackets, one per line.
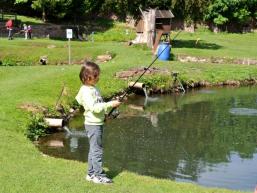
[95, 109]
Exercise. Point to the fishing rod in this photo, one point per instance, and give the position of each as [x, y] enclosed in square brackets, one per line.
[114, 114]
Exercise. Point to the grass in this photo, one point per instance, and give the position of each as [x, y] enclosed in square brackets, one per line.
[29, 20]
[24, 169]
[216, 45]
[238, 46]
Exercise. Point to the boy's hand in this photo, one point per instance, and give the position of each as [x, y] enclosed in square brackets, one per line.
[116, 103]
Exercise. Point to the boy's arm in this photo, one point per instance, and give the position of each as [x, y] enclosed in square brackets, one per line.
[89, 101]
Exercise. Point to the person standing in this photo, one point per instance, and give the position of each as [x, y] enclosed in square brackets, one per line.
[9, 27]
[25, 29]
[29, 32]
[95, 110]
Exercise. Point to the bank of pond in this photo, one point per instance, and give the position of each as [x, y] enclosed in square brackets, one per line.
[206, 136]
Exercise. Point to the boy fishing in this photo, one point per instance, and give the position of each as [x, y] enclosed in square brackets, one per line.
[95, 110]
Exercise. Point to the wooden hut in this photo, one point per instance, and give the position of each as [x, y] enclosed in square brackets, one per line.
[152, 26]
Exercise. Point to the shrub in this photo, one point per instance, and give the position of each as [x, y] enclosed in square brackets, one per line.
[157, 82]
[14, 62]
[36, 127]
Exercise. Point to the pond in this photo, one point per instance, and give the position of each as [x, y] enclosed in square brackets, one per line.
[206, 136]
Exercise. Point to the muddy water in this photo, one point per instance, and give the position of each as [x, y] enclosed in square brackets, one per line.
[207, 136]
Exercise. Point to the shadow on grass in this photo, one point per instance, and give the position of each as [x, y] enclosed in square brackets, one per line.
[195, 44]
[85, 31]
[113, 173]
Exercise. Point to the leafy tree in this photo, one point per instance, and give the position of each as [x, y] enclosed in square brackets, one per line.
[55, 7]
[219, 12]
[132, 7]
[6, 5]
[222, 12]
[190, 10]
[252, 7]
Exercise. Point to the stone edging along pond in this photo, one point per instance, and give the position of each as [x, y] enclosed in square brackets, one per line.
[216, 60]
[135, 72]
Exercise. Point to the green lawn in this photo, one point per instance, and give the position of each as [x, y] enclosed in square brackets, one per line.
[237, 46]
[217, 45]
[23, 169]
[29, 20]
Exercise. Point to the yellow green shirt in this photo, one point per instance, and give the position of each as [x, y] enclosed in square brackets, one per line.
[95, 108]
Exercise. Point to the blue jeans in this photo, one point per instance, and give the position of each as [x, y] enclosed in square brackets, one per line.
[95, 154]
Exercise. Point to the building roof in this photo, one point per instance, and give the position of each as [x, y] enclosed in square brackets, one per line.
[164, 14]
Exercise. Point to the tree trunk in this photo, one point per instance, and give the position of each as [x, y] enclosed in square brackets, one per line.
[44, 15]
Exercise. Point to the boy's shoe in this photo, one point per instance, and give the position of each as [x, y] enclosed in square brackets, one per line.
[89, 178]
[102, 180]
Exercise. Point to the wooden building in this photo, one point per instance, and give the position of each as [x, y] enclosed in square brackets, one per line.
[153, 26]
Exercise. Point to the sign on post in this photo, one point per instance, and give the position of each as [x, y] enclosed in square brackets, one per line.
[69, 36]
[69, 33]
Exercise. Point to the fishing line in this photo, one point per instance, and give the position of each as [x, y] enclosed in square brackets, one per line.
[114, 114]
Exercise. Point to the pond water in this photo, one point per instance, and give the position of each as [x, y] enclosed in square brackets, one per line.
[206, 136]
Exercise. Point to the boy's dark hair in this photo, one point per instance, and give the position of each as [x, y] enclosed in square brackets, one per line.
[89, 71]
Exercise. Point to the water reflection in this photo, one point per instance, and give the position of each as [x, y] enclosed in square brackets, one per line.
[243, 111]
[192, 137]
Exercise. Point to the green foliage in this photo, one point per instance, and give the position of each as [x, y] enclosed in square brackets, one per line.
[29, 20]
[118, 33]
[8, 62]
[52, 112]
[190, 10]
[220, 12]
[220, 20]
[227, 11]
[36, 127]
[56, 8]
[14, 62]
[157, 82]
[242, 15]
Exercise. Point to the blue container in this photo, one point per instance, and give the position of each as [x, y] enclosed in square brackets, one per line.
[164, 51]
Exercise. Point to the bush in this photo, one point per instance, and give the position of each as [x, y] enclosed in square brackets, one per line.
[14, 62]
[36, 127]
[157, 82]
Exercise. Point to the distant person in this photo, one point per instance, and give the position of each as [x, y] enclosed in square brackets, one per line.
[29, 32]
[95, 110]
[25, 29]
[9, 27]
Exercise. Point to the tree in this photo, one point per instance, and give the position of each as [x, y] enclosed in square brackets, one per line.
[6, 5]
[222, 12]
[190, 10]
[45, 6]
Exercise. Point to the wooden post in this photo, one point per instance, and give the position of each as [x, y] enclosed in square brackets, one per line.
[157, 41]
[69, 53]
[149, 26]
[151, 30]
